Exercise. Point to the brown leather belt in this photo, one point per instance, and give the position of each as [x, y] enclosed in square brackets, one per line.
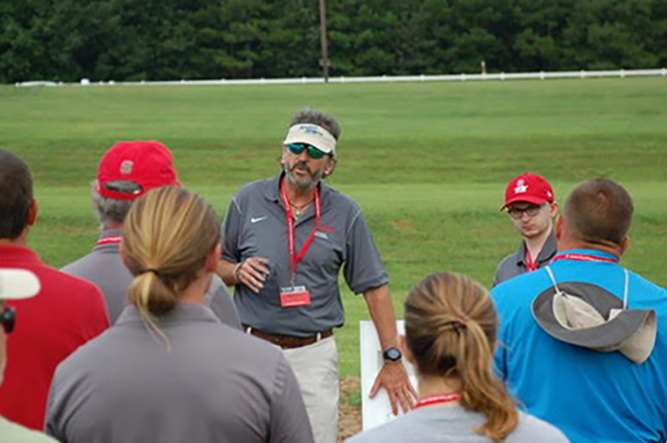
[288, 341]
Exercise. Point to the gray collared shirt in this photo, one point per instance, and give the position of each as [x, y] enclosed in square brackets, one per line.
[255, 226]
[515, 264]
[211, 383]
[104, 267]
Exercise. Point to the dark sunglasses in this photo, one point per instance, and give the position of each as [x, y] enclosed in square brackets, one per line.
[7, 319]
[298, 148]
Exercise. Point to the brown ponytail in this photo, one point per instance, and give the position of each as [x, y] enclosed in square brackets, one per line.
[167, 235]
[450, 325]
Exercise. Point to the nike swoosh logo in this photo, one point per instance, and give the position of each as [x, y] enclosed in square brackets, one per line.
[258, 219]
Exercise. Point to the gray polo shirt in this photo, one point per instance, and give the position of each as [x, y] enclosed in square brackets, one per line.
[255, 226]
[104, 267]
[515, 264]
[455, 424]
[211, 384]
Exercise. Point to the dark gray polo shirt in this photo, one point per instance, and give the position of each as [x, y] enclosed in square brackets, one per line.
[104, 267]
[515, 264]
[212, 384]
[255, 226]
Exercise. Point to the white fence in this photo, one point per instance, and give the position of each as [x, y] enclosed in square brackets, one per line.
[382, 79]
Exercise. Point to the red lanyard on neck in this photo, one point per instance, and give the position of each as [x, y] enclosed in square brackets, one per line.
[531, 265]
[294, 258]
[109, 240]
[583, 257]
[437, 399]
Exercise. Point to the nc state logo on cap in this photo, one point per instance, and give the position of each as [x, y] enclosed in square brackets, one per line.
[520, 187]
[126, 167]
[530, 188]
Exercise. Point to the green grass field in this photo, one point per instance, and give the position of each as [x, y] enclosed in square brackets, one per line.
[427, 162]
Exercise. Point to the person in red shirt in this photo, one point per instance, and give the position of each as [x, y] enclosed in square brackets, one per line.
[66, 313]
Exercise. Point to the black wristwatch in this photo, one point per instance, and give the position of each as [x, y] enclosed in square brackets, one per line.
[392, 354]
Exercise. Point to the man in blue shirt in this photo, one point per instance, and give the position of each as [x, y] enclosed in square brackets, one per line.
[591, 396]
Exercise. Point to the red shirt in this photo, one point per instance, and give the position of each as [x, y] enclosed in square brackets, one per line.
[65, 314]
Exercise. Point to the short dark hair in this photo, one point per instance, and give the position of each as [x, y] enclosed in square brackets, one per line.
[600, 210]
[15, 194]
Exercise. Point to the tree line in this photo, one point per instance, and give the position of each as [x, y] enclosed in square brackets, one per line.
[66, 40]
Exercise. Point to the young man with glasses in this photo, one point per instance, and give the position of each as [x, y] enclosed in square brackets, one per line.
[65, 314]
[15, 284]
[531, 204]
[285, 241]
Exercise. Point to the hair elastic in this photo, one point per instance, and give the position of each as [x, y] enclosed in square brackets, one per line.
[456, 324]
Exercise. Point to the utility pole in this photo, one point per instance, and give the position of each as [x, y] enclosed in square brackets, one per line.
[323, 40]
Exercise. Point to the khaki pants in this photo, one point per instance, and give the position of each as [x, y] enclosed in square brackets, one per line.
[316, 369]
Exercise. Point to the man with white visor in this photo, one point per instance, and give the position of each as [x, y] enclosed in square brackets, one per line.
[285, 240]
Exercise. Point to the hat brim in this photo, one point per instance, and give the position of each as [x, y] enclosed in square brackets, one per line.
[17, 284]
[527, 199]
[311, 140]
[313, 135]
[608, 335]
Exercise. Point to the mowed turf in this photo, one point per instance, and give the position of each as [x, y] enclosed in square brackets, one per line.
[427, 162]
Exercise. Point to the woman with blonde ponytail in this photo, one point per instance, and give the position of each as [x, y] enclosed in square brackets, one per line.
[169, 371]
[450, 334]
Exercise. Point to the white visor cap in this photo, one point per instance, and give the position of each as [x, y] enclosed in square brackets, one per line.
[16, 284]
[313, 135]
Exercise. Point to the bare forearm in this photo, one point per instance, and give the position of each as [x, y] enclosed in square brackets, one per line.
[226, 272]
[393, 377]
[382, 313]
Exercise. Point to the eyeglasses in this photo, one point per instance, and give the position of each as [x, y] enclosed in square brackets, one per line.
[7, 319]
[530, 210]
[298, 148]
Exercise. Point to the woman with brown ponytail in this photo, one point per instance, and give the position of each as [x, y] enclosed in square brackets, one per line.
[450, 334]
[169, 370]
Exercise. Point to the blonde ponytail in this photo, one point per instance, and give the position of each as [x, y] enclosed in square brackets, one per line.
[451, 324]
[167, 234]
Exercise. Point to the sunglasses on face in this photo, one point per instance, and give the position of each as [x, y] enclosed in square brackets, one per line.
[298, 148]
[7, 319]
[530, 211]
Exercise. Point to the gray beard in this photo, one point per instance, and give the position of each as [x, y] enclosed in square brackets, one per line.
[302, 184]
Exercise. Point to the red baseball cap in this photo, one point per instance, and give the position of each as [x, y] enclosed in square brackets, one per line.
[147, 163]
[528, 187]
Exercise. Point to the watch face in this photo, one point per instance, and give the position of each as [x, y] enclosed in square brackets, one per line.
[392, 354]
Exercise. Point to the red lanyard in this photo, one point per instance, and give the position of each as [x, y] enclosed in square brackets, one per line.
[437, 399]
[531, 265]
[294, 259]
[109, 240]
[584, 257]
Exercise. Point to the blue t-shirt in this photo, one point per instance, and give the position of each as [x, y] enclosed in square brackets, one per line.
[590, 396]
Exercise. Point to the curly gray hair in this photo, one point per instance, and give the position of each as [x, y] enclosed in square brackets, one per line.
[319, 118]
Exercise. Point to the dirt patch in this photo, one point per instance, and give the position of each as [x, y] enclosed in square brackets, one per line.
[349, 421]
[402, 225]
